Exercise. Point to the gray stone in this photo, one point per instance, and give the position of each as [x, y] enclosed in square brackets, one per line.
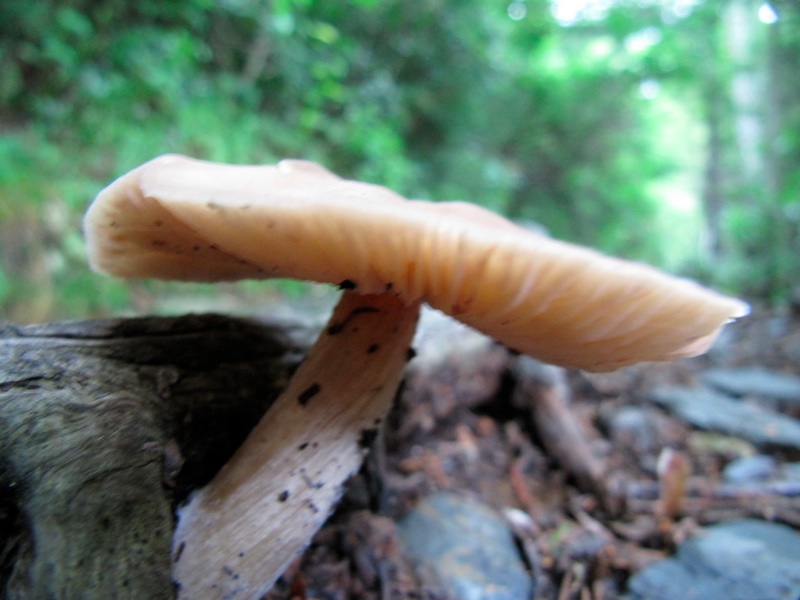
[466, 548]
[755, 381]
[738, 560]
[711, 410]
[747, 469]
[791, 472]
[632, 426]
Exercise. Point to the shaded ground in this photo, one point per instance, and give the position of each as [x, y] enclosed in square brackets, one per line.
[580, 480]
[580, 488]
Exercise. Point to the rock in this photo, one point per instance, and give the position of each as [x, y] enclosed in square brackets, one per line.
[466, 548]
[755, 381]
[791, 472]
[748, 469]
[737, 560]
[632, 427]
[711, 410]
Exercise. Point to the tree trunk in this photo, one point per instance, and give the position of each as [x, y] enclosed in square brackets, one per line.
[713, 183]
[105, 426]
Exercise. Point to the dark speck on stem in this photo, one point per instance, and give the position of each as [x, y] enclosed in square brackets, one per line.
[308, 393]
[367, 437]
[347, 284]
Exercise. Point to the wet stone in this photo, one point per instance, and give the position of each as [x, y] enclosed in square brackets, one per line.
[755, 381]
[465, 548]
[737, 560]
[713, 411]
[749, 469]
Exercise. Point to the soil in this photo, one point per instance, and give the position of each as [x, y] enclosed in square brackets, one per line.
[587, 514]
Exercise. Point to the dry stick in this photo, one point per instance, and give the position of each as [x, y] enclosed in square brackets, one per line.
[238, 534]
[545, 391]
[709, 503]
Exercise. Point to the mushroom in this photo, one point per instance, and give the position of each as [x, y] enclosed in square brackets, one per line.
[185, 219]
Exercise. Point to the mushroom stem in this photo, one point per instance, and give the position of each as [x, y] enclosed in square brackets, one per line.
[238, 534]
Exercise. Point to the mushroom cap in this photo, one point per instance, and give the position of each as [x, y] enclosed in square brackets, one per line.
[185, 219]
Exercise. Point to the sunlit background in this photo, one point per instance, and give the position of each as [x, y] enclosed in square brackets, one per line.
[660, 130]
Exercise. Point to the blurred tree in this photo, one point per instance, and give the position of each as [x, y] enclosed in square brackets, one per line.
[495, 101]
[782, 152]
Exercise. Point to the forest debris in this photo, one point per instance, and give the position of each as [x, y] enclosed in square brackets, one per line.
[467, 445]
[544, 390]
[354, 556]
[706, 502]
[429, 463]
[519, 485]
[673, 471]
[504, 443]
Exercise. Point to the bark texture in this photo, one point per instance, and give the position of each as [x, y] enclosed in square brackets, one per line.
[105, 426]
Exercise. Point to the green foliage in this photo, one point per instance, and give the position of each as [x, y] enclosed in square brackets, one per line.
[434, 98]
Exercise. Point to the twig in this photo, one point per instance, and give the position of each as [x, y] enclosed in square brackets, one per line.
[545, 391]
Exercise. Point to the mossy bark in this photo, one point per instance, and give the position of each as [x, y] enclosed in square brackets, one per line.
[105, 426]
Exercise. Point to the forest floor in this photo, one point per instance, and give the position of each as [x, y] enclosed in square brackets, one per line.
[593, 480]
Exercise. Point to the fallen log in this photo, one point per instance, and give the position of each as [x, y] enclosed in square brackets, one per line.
[105, 426]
